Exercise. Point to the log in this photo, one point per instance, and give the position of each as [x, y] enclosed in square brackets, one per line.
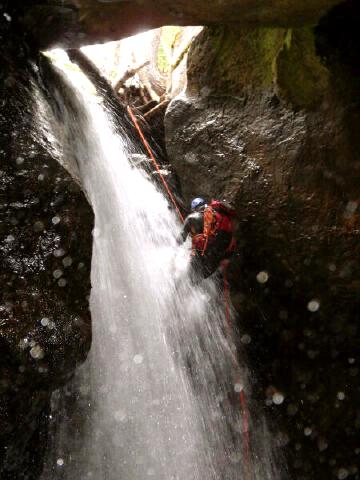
[154, 111]
[148, 106]
[110, 98]
[128, 74]
[112, 102]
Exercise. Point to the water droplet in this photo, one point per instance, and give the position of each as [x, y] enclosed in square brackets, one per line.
[24, 343]
[322, 444]
[37, 352]
[59, 252]
[340, 395]
[238, 387]
[67, 261]
[278, 398]
[246, 339]
[9, 238]
[41, 177]
[138, 359]
[60, 462]
[44, 322]
[311, 354]
[313, 305]
[19, 160]
[307, 431]
[57, 273]
[262, 277]
[62, 282]
[342, 473]
[96, 233]
[55, 220]
[351, 207]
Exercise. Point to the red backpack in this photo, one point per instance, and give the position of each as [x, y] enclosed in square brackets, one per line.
[217, 217]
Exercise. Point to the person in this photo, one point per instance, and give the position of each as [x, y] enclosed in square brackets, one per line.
[212, 231]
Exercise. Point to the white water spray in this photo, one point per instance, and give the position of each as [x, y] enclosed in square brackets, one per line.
[158, 395]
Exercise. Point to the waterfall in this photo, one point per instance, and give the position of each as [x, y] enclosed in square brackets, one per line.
[158, 396]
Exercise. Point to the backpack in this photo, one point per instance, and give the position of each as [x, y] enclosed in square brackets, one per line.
[217, 217]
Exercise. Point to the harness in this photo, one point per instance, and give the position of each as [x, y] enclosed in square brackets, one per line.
[217, 218]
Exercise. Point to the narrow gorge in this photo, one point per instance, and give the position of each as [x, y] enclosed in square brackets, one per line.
[258, 107]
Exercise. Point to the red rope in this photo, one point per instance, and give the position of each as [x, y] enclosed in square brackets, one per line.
[147, 146]
[242, 397]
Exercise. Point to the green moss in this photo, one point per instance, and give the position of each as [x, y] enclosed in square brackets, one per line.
[169, 36]
[237, 58]
[162, 59]
[301, 77]
[180, 57]
[288, 38]
[228, 60]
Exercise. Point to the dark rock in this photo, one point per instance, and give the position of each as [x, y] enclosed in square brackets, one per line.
[80, 22]
[45, 254]
[269, 122]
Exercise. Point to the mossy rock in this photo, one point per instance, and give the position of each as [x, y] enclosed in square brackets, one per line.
[300, 75]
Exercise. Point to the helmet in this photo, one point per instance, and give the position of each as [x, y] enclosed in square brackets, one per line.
[197, 202]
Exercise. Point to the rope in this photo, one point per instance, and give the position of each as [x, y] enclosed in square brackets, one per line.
[242, 397]
[147, 146]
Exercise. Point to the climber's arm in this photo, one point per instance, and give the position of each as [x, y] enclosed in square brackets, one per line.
[185, 230]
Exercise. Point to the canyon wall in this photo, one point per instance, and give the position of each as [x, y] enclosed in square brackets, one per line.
[268, 121]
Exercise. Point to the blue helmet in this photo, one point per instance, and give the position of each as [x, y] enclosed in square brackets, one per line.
[197, 202]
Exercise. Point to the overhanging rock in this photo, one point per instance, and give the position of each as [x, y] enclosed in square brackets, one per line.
[73, 23]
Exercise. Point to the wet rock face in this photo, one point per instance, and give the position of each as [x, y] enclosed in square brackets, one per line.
[274, 132]
[45, 254]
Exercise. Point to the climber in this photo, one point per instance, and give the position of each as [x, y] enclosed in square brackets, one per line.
[212, 231]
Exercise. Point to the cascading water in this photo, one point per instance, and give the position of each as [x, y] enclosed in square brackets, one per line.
[159, 394]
